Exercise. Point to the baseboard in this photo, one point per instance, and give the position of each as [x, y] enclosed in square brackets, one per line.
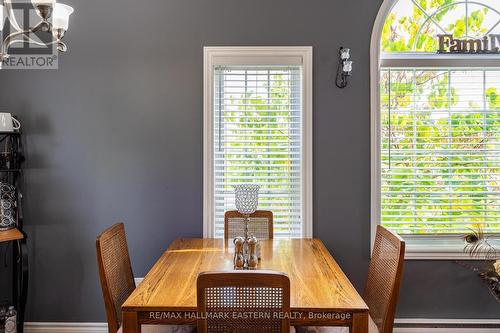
[418, 325]
[403, 326]
[66, 327]
[444, 330]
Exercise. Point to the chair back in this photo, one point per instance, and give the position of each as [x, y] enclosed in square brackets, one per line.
[115, 272]
[384, 278]
[260, 224]
[243, 301]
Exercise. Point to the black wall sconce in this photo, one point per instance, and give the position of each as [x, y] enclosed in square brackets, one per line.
[344, 68]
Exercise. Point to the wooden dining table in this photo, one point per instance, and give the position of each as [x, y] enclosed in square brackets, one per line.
[321, 294]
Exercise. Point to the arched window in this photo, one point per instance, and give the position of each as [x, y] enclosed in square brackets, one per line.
[436, 121]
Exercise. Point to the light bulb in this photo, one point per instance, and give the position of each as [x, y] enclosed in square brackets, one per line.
[347, 68]
[60, 16]
[345, 54]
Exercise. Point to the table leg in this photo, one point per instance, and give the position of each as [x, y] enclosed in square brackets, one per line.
[15, 273]
[130, 322]
[23, 257]
[360, 322]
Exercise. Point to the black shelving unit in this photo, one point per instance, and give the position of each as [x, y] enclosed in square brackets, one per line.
[11, 161]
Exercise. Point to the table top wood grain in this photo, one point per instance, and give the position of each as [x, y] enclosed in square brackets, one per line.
[10, 235]
[316, 280]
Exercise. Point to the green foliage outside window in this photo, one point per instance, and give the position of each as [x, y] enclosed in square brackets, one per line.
[440, 140]
[417, 32]
[261, 142]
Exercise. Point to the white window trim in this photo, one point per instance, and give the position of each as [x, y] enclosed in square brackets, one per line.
[268, 55]
[417, 247]
[432, 60]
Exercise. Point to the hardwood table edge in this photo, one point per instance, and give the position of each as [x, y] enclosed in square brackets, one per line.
[157, 308]
[319, 241]
[13, 234]
[194, 309]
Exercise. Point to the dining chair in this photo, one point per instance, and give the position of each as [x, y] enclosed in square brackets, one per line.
[382, 287]
[243, 302]
[117, 280]
[260, 224]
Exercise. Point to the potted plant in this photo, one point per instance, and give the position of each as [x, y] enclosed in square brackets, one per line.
[478, 245]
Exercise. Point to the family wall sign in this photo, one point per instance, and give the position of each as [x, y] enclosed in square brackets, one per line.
[489, 44]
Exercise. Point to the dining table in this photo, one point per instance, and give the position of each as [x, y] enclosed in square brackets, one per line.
[320, 292]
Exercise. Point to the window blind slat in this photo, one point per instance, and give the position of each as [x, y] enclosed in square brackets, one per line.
[257, 139]
[440, 150]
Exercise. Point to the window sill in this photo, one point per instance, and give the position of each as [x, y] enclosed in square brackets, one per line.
[437, 248]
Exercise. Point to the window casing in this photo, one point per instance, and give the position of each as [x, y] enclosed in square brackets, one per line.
[435, 130]
[258, 129]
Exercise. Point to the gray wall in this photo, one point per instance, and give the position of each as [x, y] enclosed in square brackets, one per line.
[116, 134]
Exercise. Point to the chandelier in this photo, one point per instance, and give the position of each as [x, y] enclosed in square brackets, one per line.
[54, 20]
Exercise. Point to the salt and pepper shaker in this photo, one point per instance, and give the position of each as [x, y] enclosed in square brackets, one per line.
[246, 253]
[252, 253]
[239, 257]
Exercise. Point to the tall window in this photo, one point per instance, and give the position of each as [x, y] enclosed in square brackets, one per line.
[438, 119]
[257, 130]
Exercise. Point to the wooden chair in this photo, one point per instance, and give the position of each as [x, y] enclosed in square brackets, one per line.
[117, 279]
[384, 279]
[382, 287]
[225, 297]
[260, 224]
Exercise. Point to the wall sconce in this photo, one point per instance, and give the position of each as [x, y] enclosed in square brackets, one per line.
[344, 68]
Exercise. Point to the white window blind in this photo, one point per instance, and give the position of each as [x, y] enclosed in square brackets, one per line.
[257, 139]
[440, 150]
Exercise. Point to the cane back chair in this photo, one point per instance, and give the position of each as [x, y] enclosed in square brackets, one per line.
[226, 298]
[382, 287]
[117, 280]
[260, 224]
